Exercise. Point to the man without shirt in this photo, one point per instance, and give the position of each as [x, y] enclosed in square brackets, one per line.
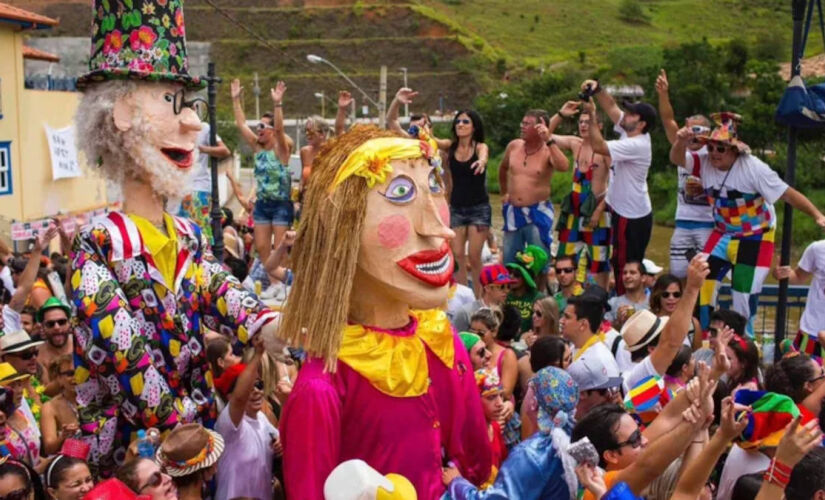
[524, 176]
[630, 157]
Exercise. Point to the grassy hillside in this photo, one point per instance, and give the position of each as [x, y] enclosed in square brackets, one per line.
[540, 31]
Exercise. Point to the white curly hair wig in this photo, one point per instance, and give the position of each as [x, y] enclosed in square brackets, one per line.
[121, 154]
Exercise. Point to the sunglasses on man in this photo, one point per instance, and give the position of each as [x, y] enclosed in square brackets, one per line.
[565, 270]
[719, 148]
[634, 440]
[26, 355]
[55, 322]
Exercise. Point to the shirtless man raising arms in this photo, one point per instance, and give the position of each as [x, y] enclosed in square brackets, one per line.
[524, 176]
[584, 219]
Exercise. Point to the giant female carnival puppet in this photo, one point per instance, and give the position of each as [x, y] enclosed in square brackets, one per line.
[388, 381]
[144, 283]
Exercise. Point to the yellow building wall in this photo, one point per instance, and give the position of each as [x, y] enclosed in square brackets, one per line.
[11, 85]
[42, 196]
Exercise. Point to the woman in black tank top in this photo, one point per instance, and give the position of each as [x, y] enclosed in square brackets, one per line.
[470, 213]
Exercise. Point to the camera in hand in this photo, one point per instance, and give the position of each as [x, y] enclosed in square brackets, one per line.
[588, 92]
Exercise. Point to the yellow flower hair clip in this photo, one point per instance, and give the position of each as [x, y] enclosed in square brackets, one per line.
[371, 160]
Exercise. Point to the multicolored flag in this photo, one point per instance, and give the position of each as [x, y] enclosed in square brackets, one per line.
[771, 413]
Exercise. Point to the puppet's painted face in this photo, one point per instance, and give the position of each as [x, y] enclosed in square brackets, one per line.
[405, 243]
[160, 133]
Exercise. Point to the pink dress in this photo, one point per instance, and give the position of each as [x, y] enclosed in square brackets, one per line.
[333, 417]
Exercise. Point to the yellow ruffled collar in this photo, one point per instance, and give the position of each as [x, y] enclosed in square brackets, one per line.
[396, 364]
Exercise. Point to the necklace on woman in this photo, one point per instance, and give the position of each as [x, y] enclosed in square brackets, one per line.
[527, 155]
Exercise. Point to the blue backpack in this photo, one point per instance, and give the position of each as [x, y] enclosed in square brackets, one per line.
[801, 106]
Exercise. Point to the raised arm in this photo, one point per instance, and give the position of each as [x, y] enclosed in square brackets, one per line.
[679, 148]
[276, 258]
[556, 160]
[605, 100]
[403, 96]
[29, 274]
[345, 100]
[240, 119]
[244, 385]
[665, 108]
[282, 148]
[797, 441]
[801, 202]
[219, 151]
[674, 333]
[597, 142]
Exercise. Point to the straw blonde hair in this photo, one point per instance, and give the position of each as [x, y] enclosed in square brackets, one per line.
[326, 249]
[550, 313]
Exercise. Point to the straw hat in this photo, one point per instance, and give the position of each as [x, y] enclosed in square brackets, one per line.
[17, 341]
[188, 449]
[641, 329]
[725, 131]
[8, 374]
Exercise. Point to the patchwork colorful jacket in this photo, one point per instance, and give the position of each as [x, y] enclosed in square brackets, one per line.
[139, 349]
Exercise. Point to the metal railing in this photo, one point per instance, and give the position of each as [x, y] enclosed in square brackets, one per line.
[765, 321]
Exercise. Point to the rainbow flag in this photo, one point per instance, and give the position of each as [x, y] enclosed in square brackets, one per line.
[645, 394]
[771, 413]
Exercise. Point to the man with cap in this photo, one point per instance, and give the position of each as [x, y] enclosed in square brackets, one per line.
[654, 341]
[495, 282]
[630, 157]
[55, 317]
[593, 368]
[144, 283]
[527, 266]
[742, 190]
[20, 351]
[652, 271]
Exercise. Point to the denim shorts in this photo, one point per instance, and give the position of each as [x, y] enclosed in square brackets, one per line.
[276, 213]
[476, 215]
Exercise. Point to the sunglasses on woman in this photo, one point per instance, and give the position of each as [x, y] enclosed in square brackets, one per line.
[675, 295]
[21, 494]
[634, 441]
[464, 121]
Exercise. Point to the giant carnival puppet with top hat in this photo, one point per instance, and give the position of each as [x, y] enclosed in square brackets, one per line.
[387, 380]
[144, 282]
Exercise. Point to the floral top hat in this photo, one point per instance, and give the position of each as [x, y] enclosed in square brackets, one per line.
[725, 131]
[139, 40]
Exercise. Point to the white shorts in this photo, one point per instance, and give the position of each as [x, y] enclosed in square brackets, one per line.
[683, 240]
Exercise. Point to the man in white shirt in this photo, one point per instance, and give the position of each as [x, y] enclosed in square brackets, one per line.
[694, 216]
[198, 201]
[742, 190]
[630, 157]
[653, 341]
[635, 297]
[811, 335]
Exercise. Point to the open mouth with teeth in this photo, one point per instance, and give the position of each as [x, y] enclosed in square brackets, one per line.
[433, 267]
[180, 157]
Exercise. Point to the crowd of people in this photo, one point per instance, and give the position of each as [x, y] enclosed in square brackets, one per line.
[366, 336]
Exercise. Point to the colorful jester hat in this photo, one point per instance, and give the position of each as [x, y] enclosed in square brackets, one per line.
[725, 131]
[488, 382]
[771, 413]
[139, 40]
[529, 263]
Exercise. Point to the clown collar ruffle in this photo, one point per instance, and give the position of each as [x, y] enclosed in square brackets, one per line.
[395, 361]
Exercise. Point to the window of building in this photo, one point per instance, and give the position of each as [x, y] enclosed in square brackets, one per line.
[5, 168]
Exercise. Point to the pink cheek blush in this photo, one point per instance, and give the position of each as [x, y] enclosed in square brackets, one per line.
[394, 231]
[444, 212]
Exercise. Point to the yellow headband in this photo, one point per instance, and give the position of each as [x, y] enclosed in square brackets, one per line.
[371, 160]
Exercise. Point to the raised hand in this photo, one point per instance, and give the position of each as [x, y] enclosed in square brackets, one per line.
[698, 271]
[278, 92]
[733, 421]
[570, 108]
[289, 239]
[543, 131]
[406, 95]
[684, 134]
[662, 84]
[588, 106]
[721, 362]
[592, 479]
[44, 237]
[344, 98]
[235, 89]
[593, 84]
[798, 441]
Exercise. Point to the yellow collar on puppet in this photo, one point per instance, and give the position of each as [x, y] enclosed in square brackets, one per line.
[371, 160]
[397, 365]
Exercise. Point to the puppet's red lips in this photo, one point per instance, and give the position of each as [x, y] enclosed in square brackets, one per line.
[180, 157]
[433, 267]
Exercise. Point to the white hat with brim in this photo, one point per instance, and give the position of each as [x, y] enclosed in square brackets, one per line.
[651, 267]
[641, 329]
[17, 342]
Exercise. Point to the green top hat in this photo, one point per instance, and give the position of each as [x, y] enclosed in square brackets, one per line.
[139, 40]
[529, 263]
[52, 303]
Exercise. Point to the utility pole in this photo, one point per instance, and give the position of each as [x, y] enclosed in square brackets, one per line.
[790, 177]
[406, 105]
[382, 99]
[215, 214]
[257, 91]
